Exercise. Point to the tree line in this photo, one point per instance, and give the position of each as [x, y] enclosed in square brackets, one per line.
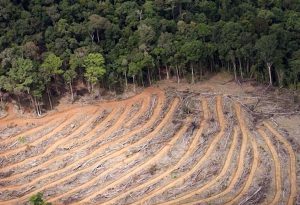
[48, 45]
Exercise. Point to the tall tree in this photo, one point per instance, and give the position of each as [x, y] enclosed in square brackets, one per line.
[266, 47]
[51, 68]
[20, 77]
[95, 70]
[97, 24]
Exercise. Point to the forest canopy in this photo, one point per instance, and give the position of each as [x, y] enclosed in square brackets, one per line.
[48, 45]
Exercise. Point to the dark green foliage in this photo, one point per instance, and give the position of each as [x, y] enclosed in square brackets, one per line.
[45, 46]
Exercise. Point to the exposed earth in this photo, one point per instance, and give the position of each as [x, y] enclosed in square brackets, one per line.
[210, 143]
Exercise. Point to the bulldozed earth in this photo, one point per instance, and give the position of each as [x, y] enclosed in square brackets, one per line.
[167, 145]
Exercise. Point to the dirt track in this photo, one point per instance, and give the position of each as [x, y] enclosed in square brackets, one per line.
[154, 148]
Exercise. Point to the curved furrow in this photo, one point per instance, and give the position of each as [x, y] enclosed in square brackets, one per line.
[24, 140]
[60, 128]
[214, 180]
[187, 154]
[42, 126]
[18, 151]
[27, 132]
[199, 163]
[141, 111]
[60, 157]
[236, 175]
[292, 168]
[43, 121]
[277, 168]
[19, 119]
[254, 166]
[65, 122]
[249, 180]
[146, 164]
[148, 124]
[147, 149]
[52, 148]
[25, 120]
[57, 144]
[123, 150]
[78, 129]
[125, 161]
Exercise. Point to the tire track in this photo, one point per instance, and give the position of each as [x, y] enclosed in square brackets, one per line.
[190, 150]
[199, 163]
[292, 168]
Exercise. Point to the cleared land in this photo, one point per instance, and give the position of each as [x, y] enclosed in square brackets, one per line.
[155, 148]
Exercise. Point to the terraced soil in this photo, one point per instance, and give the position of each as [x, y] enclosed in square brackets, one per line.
[155, 148]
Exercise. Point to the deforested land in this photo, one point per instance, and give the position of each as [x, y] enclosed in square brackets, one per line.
[149, 102]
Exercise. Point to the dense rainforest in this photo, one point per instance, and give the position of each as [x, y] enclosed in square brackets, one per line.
[47, 46]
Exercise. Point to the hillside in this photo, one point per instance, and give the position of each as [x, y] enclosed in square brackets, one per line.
[49, 47]
[167, 145]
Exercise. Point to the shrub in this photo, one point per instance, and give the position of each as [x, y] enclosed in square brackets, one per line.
[37, 199]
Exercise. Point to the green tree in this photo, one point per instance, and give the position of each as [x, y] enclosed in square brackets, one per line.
[135, 66]
[193, 52]
[266, 47]
[122, 67]
[295, 69]
[230, 43]
[51, 68]
[96, 24]
[95, 69]
[133, 69]
[69, 76]
[20, 77]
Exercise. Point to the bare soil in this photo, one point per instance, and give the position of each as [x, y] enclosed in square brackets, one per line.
[215, 142]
